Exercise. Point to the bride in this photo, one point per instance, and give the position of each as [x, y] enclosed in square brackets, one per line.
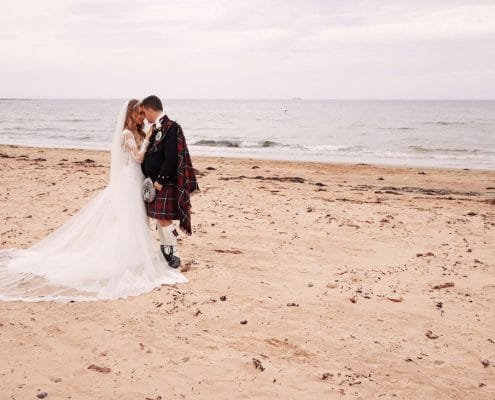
[106, 250]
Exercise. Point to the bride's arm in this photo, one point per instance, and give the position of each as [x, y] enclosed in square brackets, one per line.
[129, 145]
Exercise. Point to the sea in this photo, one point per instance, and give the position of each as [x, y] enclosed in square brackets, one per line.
[424, 133]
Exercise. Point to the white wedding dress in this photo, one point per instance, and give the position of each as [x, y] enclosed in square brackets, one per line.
[105, 251]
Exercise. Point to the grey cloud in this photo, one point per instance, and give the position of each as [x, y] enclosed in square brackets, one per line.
[248, 48]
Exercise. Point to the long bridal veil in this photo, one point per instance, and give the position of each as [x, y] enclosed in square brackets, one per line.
[105, 251]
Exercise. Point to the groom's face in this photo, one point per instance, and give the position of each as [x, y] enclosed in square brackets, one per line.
[149, 114]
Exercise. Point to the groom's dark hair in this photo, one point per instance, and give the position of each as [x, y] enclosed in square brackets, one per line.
[152, 102]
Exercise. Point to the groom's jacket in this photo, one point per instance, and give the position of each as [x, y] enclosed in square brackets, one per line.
[160, 161]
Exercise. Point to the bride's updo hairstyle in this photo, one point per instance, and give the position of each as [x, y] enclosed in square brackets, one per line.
[130, 121]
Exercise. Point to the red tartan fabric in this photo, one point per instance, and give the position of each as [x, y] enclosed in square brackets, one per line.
[186, 182]
[165, 204]
[174, 200]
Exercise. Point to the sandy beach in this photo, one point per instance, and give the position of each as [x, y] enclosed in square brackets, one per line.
[306, 281]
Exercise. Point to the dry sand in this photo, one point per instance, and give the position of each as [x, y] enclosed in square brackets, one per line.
[333, 267]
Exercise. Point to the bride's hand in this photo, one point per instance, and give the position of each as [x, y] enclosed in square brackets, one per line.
[149, 133]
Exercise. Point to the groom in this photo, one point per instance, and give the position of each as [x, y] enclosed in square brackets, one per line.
[169, 166]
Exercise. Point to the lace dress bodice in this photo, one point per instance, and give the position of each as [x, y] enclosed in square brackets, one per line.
[130, 146]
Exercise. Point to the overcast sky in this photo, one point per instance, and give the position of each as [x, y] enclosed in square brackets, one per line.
[248, 49]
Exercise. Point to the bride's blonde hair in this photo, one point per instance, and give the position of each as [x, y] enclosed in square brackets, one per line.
[130, 123]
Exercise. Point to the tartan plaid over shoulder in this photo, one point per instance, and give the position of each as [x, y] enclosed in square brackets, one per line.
[186, 182]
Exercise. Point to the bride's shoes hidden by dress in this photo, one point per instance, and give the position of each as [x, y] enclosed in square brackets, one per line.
[172, 260]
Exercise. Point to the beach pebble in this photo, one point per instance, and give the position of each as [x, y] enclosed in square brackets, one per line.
[186, 267]
[258, 365]
[42, 395]
[326, 375]
[431, 335]
[223, 298]
[444, 285]
[104, 370]
[244, 322]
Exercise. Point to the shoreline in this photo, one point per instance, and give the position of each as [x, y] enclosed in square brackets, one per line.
[306, 280]
[276, 160]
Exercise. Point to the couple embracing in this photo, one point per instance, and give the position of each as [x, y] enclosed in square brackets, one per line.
[107, 250]
[165, 161]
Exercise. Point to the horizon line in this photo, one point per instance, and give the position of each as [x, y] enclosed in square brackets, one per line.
[262, 98]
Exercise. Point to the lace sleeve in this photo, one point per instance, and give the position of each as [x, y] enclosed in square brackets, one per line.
[129, 145]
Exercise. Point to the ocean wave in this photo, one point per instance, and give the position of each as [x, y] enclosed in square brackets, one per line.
[394, 128]
[328, 148]
[236, 143]
[75, 120]
[446, 123]
[421, 149]
[268, 144]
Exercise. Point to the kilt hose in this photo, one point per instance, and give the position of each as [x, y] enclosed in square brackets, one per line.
[165, 204]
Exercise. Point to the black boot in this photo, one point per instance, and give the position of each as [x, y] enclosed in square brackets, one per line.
[172, 260]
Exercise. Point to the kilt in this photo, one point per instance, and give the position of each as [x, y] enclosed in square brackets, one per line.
[165, 204]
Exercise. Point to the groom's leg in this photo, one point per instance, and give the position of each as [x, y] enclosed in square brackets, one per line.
[168, 234]
[164, 222]
[168, 238]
